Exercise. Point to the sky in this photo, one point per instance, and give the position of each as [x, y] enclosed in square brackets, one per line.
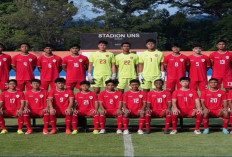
[85, 9]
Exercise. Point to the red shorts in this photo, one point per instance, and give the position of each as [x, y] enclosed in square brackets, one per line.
[3, 85]
[36, 113]
[203, 85]
[227, 81]
[172, 83]
[112, 112]
[73, 84]
[187, 112]
[22, 83]
[45, 85]
[60, 112]
[159, 113]
[85, 112]
[215, 112]
[135, 112]
[10, 113]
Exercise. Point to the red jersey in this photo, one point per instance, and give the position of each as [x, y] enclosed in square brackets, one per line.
[221, 64]
[76, 67]
[134, 100]
[230, 95]
[185, 99]
[5, 62]
[37, 100]
[61, 98]
[159, 100]
[50, 67]
[25, 65]
[176, 66]
[86, 101]
[12, 100]
[198, 67]
[214, 99]
[110, 100]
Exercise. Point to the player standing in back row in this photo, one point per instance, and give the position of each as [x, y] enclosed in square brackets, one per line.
[150, 66]
[221, 65]
[199, 65]
[103, 62]
[127, 65]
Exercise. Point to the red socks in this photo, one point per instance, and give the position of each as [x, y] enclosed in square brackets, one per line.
[74, 121]
[102, 121]
[96, 121]
[2, 123]
[119, 120]
[125, 122]
[198, 121]
[68, 121]
[168, 121]
[174, 122]
[148, 121]
[27, 121]
[141, 123]
[20, 122]
[46, 119]
[225, 122]
[53, 121]
[206, 122]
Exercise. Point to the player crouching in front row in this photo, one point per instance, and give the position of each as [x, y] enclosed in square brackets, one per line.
[214, 103]
[186, 102]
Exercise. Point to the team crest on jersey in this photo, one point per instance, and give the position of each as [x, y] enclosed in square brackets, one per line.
[80, 60]
[4, 59]
[156, 55]
[107, 56]
[66, 95]
[219, 95]
[17, 96]
[25, 63]
[164, 96]
[227, 57]
[131, 57]
[90, 97]
[30, 59]
[190, 95]
[116, 97]
[140, 96]
[203, 60]
[41, 95]
[54, 60]
[181, 60]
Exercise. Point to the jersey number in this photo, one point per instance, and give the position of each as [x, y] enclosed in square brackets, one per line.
[86, 102]
[197, 64]
[213, 100]
[61, 99]
[12, 101]
[75, 64]
[102, 61]
[136, 100]
[176, 64]
[127, 62]
[159, 100]
[222, 61]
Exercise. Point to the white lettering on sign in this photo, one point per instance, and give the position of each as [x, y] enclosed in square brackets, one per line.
[131, 35]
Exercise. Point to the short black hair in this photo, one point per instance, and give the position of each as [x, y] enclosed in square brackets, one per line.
[60, 79]
[151, 40]
[134, 81]
[185, 78]
[49, 45]
[222, 41]
[3, 46]
[159, 80]
[197, 45]
[75, 45]
[115, 82]
[85, 83]
[13, 80]
[36, 80]
[176, 45]
[213, 79]
[125, 43]
[25, 44]
[103, 42]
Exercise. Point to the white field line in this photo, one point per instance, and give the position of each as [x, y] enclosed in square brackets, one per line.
[129, 148]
